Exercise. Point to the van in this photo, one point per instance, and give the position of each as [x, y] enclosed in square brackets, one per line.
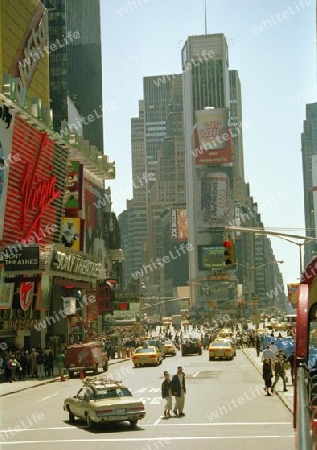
[85, 358]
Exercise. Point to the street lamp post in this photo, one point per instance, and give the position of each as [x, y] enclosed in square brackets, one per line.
[142, 288]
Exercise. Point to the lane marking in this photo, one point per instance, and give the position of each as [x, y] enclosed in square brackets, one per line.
[195, 374]
[72, 427]
[182, 438]
[45, 398]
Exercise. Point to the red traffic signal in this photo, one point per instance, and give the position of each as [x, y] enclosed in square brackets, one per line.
[229, 252]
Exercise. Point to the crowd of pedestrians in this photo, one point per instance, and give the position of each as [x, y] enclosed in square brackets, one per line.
[18, 364]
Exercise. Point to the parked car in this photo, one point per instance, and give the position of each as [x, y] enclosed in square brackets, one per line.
[147, 355]
[102, 400]
[221, 349]
[84, 358]
[191, 346]
[169, 348]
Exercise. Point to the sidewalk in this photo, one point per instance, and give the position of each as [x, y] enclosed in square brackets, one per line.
[286, 397]
[28, 383]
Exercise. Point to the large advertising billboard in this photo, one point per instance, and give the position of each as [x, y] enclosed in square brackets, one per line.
[210, 257]
[94, 229]
[179, 225]
[36, 187]
[214, 196]
[72, 197]
[6, 127]
[212, 137]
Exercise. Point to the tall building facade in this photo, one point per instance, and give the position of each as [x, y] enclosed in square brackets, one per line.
[206, 84]
[75, 67]
[309, 161]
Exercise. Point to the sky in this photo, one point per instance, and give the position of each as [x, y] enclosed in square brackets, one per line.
[271, 43]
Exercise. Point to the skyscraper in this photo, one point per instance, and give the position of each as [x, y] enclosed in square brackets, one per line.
[75, 67]
[309, 160]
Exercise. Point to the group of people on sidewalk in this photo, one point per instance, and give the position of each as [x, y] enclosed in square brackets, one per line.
[174, 387]
[275, 360]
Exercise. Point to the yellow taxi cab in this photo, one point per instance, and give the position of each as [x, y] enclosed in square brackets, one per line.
[221, 349]
[147, 355]
[169, 348]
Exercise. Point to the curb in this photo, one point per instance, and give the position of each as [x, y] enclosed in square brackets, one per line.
[283, 399]
[54, 380]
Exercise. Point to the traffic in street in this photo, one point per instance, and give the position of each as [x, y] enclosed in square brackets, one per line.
[225, 405]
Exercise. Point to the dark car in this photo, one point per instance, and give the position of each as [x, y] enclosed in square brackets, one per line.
[191, 347]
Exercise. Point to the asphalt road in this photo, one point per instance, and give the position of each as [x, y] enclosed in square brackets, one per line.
[225, 407]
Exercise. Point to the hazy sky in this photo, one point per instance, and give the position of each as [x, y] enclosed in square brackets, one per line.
[272, 45]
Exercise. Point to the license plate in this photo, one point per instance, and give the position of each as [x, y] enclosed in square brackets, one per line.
[120, 411]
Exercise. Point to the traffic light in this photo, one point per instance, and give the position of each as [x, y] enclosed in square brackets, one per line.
[229, 252]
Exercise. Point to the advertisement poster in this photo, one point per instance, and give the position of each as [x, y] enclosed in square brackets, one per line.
[70, 234]
[72, 197]
[94, 229]
[212, 137]
[6, 291]
[179, 225]
[35, 187]
[292, 293]
[214, 197]
[6, 127]
[44, 292]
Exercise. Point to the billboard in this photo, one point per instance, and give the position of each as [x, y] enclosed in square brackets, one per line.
[210, 257]
[70, 233]
[179, 225]
[73, 185]
[212, 137]
[214, 197]
[35, 187]
[94, 228]
[292, 293]
[6, 127]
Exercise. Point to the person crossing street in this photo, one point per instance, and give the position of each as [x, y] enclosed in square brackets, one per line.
[179, 391]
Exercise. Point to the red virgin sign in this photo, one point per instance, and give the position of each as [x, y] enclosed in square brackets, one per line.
[35, 187]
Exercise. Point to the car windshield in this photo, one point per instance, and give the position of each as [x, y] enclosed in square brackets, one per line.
[168, 343]
[111, 393]
[145, 350]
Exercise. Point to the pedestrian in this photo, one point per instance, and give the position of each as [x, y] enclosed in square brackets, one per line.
[60, 361]
[267, 376]
[40, 364]
[166, 389]
[279, 370]
[267, 354]
[257, 345]
[179, 391]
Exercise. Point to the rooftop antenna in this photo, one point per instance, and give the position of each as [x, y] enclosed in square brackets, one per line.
[205, 16]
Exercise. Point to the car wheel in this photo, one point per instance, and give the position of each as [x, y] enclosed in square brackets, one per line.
[71, 417]
[136, 365]
[89, 422]
[133, 423]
